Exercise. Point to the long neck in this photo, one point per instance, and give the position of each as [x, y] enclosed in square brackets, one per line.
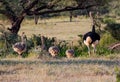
[23, 38]
[93, 28]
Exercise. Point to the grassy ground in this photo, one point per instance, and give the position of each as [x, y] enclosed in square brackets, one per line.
[60, 28]
[58, 70]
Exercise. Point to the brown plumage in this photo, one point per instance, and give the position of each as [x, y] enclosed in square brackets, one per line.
[54, 51]
[69, 53]
[20, 47]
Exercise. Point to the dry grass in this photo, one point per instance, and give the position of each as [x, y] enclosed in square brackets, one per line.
[57, 70]
[60, 28]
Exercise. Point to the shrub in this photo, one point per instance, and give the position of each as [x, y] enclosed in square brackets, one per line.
[106, 40]
[108, 20]
[114, 29]
[7, 39]
[63, 46]
[34, 44]
[35, 41]
[117, 71]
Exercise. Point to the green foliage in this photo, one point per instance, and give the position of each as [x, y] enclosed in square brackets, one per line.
[103, 51]
[2, 17]
[49, 42]
[114, 29]
[80, 50]
[6, 42]
[12, 38]
[16, 6]
[34, 46]
[36, 40]
[117, 12]
[117, 71]
[63, 46]
[106, 40]
[108, 20]
[115, 7]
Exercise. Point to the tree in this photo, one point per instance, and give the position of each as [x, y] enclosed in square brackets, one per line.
[16, 10]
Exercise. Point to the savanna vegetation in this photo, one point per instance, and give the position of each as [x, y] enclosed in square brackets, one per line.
[105, 16]
[62, 23]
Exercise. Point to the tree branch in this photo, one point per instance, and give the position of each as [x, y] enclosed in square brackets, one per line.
[8, 12]
[48, 5]
[30, 6]
[68, 8]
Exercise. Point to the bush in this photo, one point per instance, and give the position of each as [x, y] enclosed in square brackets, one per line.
[106, 40]
[117, 71]
[34, 45]
[114, 29]
[108, 20]
[6, 41]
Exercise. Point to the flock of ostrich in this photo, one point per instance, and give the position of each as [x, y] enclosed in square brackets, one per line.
[90, 38]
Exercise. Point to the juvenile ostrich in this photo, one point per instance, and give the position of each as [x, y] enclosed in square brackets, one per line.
[91, 38]
[53, 50]
[69, 53]
[20, 47]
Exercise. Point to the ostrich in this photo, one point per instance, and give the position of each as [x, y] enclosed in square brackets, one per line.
[20, 47]
[53, 50]
[91, 38]
[69, 53]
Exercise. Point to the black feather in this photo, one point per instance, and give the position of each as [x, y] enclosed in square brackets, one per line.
[93, 35]
[93, 28]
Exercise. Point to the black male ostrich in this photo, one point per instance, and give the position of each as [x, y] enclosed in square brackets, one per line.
[91, 38]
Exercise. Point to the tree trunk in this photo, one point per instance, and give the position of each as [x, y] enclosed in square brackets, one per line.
[71, 16]
[16, 25]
